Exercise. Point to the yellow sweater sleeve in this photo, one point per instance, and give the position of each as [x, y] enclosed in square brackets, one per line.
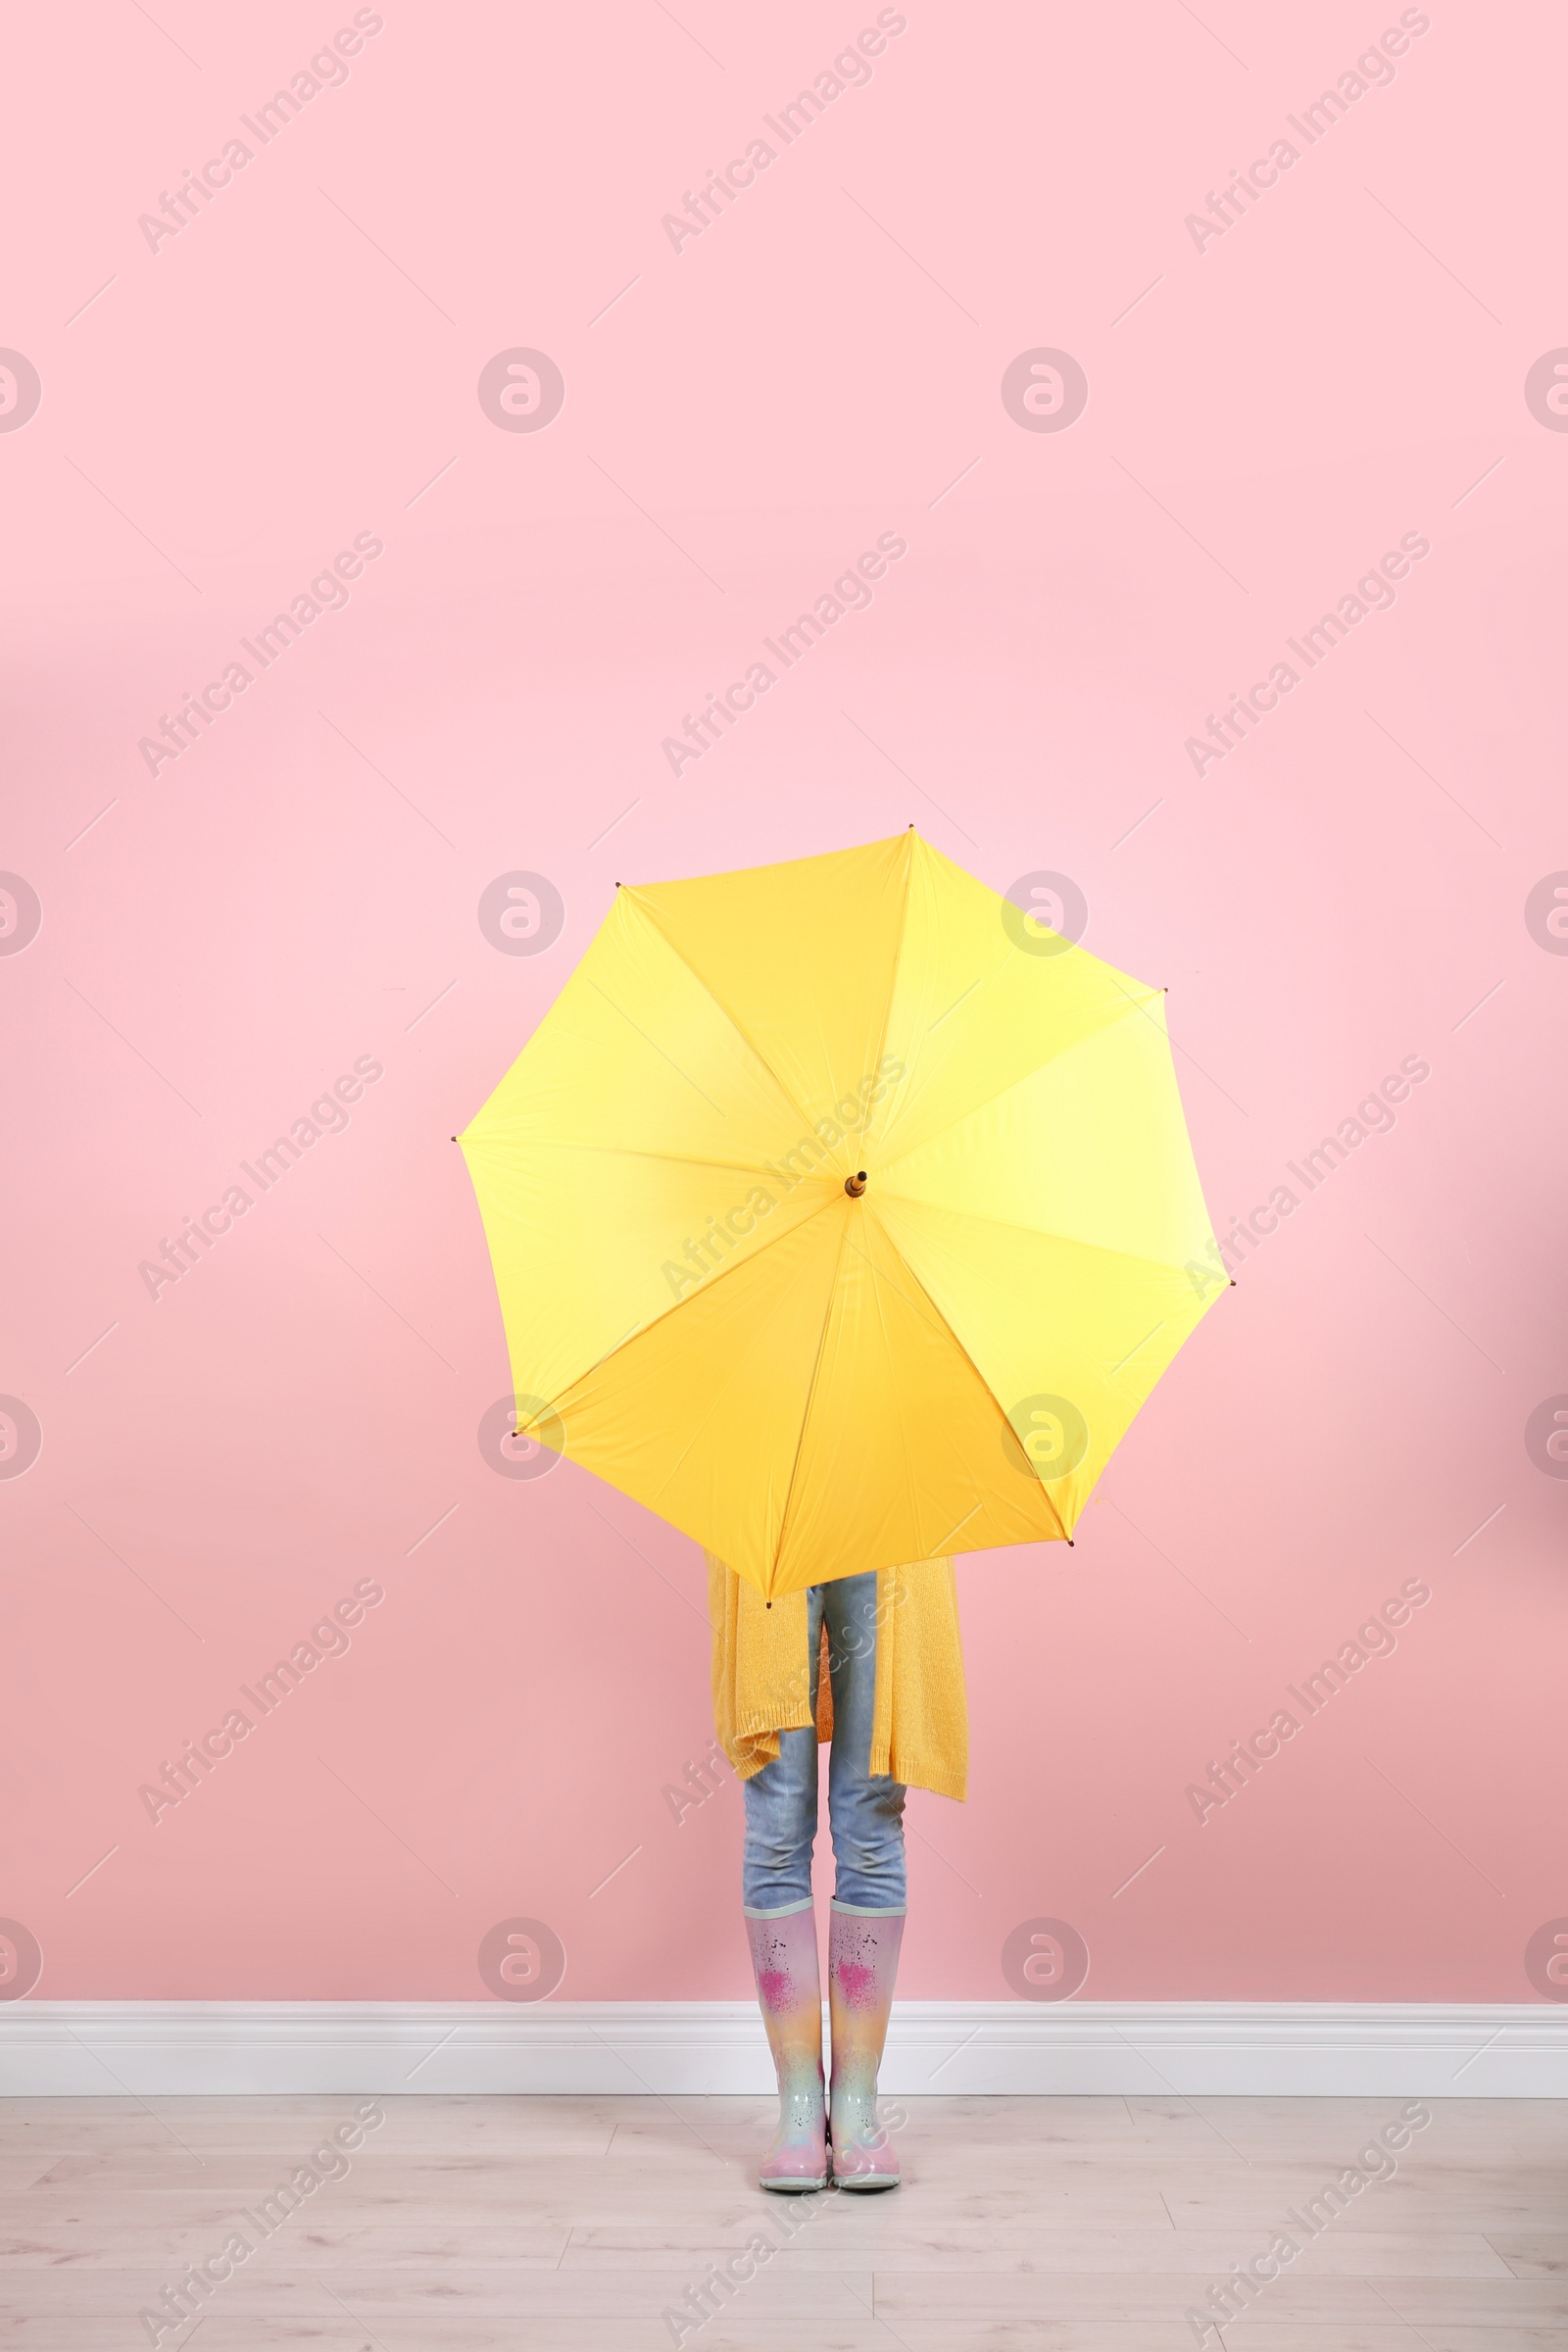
[762, 1675]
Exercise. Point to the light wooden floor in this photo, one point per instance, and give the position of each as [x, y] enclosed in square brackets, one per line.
[1047, 2223]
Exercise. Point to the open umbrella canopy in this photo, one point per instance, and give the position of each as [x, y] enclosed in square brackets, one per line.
[842, 1213]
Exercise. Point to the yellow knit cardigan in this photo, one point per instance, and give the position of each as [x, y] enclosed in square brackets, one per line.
[762, 1675]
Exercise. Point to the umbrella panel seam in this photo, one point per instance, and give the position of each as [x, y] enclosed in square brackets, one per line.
[642, 907]
[769, 1241]
[810, 1400]
[965, 1352]
[1070, 1046]
[1041, 1232]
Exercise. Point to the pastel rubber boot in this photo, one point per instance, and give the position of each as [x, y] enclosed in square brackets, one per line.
[861, 1967]
[789, 1992]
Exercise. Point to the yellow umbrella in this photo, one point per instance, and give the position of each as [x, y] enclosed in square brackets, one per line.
[841, 1213]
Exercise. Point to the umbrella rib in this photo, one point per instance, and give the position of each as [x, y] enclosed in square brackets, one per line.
[746, 1039]
[678, 1159]
[714, 1402]
[946, 1327]
[935, 1318]
[770, 1242]
[810, 1398]
[1041, 1232]
[1129, 1004]
[888, 1351]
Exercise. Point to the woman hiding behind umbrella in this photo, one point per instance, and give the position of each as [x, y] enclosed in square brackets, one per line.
[873, 1664]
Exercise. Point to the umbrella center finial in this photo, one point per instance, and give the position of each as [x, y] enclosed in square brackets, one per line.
[855, 1185]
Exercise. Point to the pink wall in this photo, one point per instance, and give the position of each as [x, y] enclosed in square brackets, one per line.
[1268, 413]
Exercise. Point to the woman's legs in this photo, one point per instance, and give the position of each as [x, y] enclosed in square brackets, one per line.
[781, 1928]
[868, 1918]
[868, 1904]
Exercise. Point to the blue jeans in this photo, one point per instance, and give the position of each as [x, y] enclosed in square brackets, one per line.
[866, 1814]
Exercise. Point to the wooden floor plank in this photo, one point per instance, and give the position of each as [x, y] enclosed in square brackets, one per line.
[463, 2224]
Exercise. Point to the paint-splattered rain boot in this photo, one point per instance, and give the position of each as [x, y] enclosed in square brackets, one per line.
[862, 1962]
[789, 1990]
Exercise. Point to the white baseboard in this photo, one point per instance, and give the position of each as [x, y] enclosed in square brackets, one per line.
[1214, 2049]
